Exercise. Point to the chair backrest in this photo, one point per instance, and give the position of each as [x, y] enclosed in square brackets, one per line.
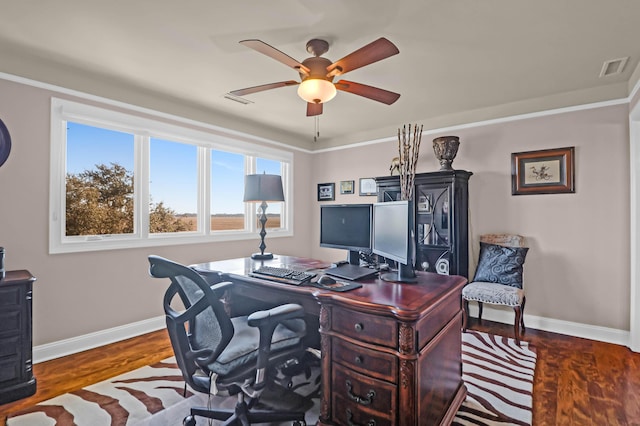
[508, 240]
[203, 329]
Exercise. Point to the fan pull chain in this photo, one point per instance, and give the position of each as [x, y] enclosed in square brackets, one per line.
[316, 130]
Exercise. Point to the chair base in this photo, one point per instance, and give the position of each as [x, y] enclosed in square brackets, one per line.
[518, 324]
[241, 416]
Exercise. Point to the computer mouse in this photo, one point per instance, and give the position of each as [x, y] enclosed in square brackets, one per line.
[326, 280]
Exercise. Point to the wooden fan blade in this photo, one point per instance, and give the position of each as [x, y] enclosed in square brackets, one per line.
[372, 52]
[313, 109]
[272, 52]
[254, 89]
[375, 93]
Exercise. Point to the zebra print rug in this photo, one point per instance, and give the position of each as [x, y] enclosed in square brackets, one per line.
[151, 395]
[498, 375]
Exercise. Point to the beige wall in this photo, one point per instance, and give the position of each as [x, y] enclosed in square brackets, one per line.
[81, 293]
[577, 269]
[578, 266]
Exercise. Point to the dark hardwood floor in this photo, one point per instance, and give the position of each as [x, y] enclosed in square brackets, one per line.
[62, 375]
[577, 381]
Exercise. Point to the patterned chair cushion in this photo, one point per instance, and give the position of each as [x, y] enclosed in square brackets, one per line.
[496, 294]
[500, 264]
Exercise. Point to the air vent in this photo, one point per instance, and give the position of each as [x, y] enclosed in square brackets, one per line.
[613, 67]
[238, 99]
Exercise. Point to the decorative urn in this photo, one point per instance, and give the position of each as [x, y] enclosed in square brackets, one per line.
[446, 148]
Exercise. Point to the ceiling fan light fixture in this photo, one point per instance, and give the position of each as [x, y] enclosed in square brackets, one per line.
[316, 90]
[317, 73]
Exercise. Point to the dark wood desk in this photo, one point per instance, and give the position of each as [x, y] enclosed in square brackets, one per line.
[391, 352]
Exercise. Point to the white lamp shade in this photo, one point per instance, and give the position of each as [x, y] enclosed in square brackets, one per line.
[316, 90]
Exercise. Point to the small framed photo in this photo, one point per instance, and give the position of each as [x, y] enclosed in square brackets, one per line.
[346, 187]
[548, 171]
[326, 191]
[368, 186]
[425, 204]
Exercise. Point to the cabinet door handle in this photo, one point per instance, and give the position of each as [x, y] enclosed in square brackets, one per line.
[350, 422]
[360, 400]
[359, 327]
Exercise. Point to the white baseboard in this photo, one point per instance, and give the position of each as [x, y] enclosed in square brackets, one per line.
[93, 340]
[586, 331]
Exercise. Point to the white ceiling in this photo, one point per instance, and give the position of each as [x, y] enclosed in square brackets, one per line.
[459, 61]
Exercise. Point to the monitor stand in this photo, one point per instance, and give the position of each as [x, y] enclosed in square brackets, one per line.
[351, 272]
[354, 257]
[405, 274]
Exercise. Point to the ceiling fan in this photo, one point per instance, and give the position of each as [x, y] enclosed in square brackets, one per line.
[317, 73]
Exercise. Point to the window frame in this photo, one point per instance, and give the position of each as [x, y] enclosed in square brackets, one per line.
[145, 128]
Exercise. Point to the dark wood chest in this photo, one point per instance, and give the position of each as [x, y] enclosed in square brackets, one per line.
[16, 372]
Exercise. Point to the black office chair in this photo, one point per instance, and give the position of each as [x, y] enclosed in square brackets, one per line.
[219, 355]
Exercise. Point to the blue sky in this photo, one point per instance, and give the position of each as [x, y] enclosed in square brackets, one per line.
[173, 171]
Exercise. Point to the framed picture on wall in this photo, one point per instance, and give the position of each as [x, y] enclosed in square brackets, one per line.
[547, 171]
[346, 187]
[368, 186]
[326, 191]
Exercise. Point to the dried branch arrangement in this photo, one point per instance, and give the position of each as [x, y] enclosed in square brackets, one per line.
[408, 149]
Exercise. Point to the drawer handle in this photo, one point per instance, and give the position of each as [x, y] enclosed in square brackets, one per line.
[360, 400]
[359, 360]
[359, 327]
[351, 423]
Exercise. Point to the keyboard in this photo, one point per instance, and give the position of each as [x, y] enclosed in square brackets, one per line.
[283, 275]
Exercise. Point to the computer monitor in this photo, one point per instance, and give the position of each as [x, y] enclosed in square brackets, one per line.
[346, 227]
[393, 238]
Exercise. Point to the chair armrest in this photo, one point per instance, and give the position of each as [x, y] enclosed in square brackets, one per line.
[275, 315]
[211, 277]
[267, 321]
[220, 288]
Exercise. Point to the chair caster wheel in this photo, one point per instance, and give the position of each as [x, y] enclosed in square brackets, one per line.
[189, 421]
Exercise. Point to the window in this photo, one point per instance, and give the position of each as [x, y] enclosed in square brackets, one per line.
[274, 215]
[120, 180]
[173, 187]
[99, 181]
[227, 183]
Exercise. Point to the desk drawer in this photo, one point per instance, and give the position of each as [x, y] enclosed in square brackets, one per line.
[348, 413]
[361, 394]
[10, 296]
[10, 370]
[370, 362]
[10, 320]
[366, 327]
[10, 345]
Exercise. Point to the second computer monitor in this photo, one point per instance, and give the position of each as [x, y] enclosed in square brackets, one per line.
[392, 237]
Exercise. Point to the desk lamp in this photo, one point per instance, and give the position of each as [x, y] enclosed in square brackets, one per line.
[263, 188]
